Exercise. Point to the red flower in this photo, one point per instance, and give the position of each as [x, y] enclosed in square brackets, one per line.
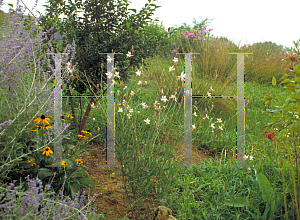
[270, 135]
[287, 67]
[268, 94]
[292, 58]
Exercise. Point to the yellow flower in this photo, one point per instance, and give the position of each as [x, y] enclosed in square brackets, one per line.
[29, 161]
[42, 119]
[47, 151]
[81, 136]
[79, 161]
[70, 116]
[47, 126]
[63, 163]
[87, 132]
[32, 130]
[62, 118]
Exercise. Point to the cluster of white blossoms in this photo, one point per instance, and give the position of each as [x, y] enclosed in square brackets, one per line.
[157, 105]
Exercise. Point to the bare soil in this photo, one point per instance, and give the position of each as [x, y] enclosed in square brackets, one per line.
[110, 187]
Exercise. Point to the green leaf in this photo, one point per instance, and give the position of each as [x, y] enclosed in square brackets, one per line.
[44, 172]
[127, 24]
[284, 81]
[132, 9]
[297, 80]
[86, 181]
[289, 109]
[274, 81]
[11, 5]
[236, 202]
[290, 87]
[265, 187]
[297, 69]
[296, 129]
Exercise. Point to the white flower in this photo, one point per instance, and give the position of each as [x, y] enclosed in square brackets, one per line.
[129, 54]
[117, 75]
[208, 94]
[93, 119]
[206, 117]
[129, 115]
[212, 126]
[193, 127]
[131, 110]
[109, 75]
[248, 157]
[147, 121]
[109, 59]
[138, 73]
[132, 92]
[138, 112]
[296, 116]
[219, 120]
[210, 89]
[195, 114]
[93, 106]
[173, 97]
[171, 68]
[144, 105]
[164, 98]
[145, 82]
[182, 76]
[156, 103]
[175, 59]
[125, 87]
[140, 82]
[220, 127]
[120, 110]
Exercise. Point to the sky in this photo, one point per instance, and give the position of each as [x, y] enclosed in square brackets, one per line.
[243, 22]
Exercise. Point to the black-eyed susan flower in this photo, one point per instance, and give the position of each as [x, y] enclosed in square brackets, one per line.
[70, 116]
[47, 151]
[79, 161]
[63, 163]
[42, 119]
[81, 136]
[87, 132]
[29, 161]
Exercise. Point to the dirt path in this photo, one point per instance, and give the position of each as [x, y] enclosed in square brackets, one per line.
[110, 184]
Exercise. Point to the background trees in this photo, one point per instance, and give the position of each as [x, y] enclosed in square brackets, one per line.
[107, 27]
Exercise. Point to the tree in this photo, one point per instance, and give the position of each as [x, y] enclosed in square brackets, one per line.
[106, 27]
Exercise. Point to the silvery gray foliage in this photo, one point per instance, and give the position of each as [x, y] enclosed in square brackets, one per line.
[21, 60]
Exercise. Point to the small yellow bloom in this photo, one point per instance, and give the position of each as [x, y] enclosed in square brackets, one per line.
[47, 151]
[81, 136]
[70, 116]
[87, 132]
[79, 161]
[29, 161]
[63, 163]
